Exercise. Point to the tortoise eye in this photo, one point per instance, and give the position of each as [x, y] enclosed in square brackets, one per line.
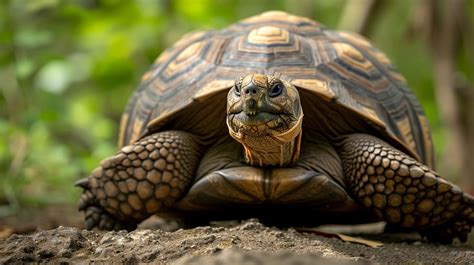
[276, 90]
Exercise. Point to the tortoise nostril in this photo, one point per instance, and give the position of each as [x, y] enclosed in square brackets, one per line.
[250, 91]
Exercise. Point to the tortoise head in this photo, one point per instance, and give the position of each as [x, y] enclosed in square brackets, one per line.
[264, 114]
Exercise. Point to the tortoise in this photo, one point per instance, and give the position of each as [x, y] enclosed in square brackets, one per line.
[216, 131]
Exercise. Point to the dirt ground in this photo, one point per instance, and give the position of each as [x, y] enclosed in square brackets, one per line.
[247, 242]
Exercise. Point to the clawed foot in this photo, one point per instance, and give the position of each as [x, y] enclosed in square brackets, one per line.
[458, 227]
[445, 233]
[96, 218]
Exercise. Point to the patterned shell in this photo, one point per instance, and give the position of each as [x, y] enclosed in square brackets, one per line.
[340, 67]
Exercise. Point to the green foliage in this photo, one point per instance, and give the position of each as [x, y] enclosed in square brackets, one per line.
[68, 68]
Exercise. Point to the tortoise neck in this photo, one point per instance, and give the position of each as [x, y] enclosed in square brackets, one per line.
[280, 154]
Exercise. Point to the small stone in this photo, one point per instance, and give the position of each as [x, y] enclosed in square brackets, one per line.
[46, 253]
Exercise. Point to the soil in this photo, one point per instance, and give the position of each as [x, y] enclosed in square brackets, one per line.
[248, 242]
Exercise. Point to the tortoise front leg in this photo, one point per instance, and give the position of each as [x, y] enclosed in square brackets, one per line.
[139, 180]
[403, 191]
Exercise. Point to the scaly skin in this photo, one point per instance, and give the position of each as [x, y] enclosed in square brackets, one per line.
[139, 180]
[403, 191]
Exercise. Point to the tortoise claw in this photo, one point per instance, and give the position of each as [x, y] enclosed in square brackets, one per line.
[96, 218]
[83, 183]
[445, 233]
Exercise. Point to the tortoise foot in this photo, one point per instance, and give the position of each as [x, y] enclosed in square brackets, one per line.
[458, 227]
[139, 181]
[446, 232]
[98, 219]
[405, 192]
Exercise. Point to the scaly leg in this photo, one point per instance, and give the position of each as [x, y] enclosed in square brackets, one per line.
[403, 191]
[139, 180]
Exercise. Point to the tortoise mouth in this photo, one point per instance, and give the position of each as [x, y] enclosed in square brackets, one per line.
[258, 123]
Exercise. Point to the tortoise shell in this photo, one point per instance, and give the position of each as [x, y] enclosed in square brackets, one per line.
[341, 69]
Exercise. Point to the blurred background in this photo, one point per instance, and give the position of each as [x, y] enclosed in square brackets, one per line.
[67, 68]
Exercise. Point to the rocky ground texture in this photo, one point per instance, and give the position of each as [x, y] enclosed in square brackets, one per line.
[249, 242]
